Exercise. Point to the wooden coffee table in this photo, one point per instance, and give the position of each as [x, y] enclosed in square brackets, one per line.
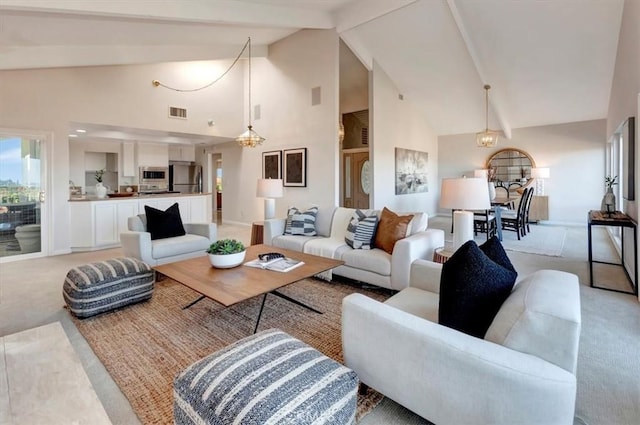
[231, 286]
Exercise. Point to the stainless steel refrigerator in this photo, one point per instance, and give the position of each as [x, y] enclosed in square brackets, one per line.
[185, 178]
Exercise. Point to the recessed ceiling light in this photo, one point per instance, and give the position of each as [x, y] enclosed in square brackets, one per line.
[73, 135]
[81, 131]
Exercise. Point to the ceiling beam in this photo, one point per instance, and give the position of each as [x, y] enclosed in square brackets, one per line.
[495, 104]
[360, 12]
[231, 12]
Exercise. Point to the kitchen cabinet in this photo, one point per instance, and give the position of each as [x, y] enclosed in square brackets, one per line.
[182, 153]
[97, 224]
[152, 154]
[128, 159]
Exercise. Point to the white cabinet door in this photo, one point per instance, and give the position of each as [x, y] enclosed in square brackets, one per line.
[128, 159]
[188, 153]
[81, 224]
[126, 209]
[153, 154]
[175, 153]
[182, 153]
[105, 223]
[198, 209]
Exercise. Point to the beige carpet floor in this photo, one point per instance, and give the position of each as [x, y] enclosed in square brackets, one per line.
[145, 346]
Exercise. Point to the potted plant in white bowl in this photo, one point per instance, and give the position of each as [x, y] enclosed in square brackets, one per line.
[226, 253]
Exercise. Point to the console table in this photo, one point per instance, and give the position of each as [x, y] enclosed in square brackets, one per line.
[618, 219]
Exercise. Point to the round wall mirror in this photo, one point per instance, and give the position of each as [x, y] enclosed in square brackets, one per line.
[510, 169]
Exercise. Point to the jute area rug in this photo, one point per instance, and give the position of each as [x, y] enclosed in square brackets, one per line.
[144, 346]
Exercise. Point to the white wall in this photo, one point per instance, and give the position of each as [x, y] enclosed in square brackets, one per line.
[625, 102]
[48, 100]
[396, 123]
[281, 85]
[574, 152]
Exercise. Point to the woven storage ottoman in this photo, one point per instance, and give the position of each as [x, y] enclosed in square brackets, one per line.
[95, 288]
[267, 378]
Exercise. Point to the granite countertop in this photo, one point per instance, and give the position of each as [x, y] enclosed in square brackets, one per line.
[86, 198]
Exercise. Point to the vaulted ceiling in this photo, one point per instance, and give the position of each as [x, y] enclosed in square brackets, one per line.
[548, 61]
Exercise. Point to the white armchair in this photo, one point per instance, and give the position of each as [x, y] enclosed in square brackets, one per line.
[522, 372]
[137, 242]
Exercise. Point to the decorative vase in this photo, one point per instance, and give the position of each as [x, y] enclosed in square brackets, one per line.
[492, 191]
[101, 191]
[608, 201]
[227, 261]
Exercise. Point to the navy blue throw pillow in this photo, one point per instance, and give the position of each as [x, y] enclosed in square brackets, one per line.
[472, 290]
[494, 250]
[164, 224]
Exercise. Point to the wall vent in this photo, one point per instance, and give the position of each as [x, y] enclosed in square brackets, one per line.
[364, 134]
[175, 112]
[256, 112]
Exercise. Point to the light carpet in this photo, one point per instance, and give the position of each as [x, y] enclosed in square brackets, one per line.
[144, 346]
[541, 240]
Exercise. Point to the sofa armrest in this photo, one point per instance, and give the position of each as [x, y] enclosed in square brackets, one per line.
[272, 228]
[208, 230]
[409, 249]
[137, 245]
[447, 376]
[425, 275]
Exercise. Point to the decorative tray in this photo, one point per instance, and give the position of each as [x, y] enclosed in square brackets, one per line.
[120, 195]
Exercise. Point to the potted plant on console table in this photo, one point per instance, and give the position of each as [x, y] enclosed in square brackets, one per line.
[226, 253]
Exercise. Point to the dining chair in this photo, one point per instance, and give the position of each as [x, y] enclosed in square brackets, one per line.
[485, 222]
[514, 219]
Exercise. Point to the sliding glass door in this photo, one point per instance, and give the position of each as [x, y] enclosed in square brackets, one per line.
[21, 195]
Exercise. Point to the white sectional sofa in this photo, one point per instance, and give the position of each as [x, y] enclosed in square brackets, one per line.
[373, 266]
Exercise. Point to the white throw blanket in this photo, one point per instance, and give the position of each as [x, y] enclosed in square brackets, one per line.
[328, 247]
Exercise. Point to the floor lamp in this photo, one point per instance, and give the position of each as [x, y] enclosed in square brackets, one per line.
[269, 189]
[462, 195]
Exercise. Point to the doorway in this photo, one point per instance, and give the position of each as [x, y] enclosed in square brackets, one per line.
[22, 182]
[356, 172]
[217, 192]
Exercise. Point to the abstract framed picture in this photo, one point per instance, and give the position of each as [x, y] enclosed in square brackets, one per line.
[411, 171]
[294, 165]
[272, 165]
[627, 134]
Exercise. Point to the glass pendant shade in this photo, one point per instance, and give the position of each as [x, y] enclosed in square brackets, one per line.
[250, 138]
[487, 138]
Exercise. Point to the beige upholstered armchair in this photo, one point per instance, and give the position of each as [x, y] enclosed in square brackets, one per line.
[522, 372]
[137, 242]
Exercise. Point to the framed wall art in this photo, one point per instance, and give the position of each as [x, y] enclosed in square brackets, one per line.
[627, 134]
[411, 171]
[272, 165]
[295, 167]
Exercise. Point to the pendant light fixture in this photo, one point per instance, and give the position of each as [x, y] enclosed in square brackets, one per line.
[250, 138]
[487, 138]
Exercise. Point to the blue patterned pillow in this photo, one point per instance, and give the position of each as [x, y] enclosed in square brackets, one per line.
[361, 230]
[472, 290]
[301, 223]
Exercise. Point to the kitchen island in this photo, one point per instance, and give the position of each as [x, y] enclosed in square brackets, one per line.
[96, 223]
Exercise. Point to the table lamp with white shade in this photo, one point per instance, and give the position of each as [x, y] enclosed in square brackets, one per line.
[269, 189]
[540, 174]
[463, 195]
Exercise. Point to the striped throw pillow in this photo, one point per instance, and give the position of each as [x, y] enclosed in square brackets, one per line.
[302, 223]
[361, 230]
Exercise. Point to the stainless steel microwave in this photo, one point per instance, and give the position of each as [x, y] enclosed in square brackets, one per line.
[156, 176]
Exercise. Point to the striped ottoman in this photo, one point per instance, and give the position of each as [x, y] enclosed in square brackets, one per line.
[267, 378]
[95, 288]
